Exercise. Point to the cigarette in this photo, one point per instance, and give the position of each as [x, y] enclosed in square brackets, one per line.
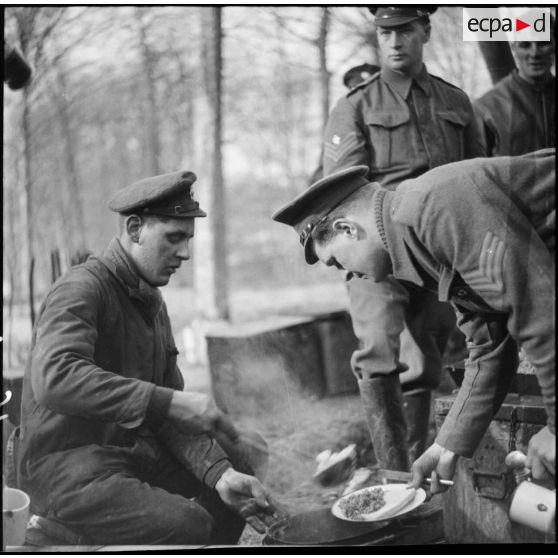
[443, 482]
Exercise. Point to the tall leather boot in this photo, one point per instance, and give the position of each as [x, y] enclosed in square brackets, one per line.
[383, 409]
[416, 409]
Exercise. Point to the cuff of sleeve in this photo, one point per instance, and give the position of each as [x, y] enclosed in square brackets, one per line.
[214, 473]
[452, 438]
[158, 406]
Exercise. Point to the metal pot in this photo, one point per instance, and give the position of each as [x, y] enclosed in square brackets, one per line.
[321, 527]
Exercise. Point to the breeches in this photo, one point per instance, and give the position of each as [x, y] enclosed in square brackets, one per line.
[400, 330]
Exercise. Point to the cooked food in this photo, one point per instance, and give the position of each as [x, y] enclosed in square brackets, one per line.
[368, 501]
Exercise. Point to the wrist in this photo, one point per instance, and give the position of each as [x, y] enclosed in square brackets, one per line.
[224, 478]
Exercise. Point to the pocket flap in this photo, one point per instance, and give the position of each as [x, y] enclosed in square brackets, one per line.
[387, 119]
[454, 117]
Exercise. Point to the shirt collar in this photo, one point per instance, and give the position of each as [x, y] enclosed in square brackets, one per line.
[403, 267]
[402, 83]
[122, 267]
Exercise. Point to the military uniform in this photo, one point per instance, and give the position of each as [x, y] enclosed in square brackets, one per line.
[96, 455]
[400, 127]
[482, 234]
[517, 117]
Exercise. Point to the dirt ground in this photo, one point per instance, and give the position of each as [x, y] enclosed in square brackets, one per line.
[298, 435]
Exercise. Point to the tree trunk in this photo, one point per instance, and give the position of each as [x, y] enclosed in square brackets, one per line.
[27, 201]
[498, 57]
[73, 205]
[210, 258]
[324, 73]
[152, 113]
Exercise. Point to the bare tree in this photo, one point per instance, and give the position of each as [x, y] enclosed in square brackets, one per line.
[32, 29]
[325, 75]
[151, 108]
[210, 258]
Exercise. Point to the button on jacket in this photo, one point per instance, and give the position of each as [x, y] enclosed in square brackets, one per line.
[101, 345]
[400, 127]
[517, 116]
[482, 233]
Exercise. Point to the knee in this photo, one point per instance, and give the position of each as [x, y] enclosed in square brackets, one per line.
[188, 524]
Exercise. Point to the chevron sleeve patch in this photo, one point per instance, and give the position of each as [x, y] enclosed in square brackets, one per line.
[338, 147]
[490, 274]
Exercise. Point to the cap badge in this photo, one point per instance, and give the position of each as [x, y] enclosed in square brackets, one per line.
[336, 140]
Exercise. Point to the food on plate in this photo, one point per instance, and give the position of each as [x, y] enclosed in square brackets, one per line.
[356, 505]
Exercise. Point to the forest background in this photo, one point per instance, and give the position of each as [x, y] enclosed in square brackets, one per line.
[238, 94]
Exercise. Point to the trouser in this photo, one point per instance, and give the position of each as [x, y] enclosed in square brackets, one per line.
[399, 329]
[106, 495]
[402, 333]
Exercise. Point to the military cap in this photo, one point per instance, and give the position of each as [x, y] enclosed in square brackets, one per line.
[310, 208]
[359, 73]
[167, 195]
[392, 16]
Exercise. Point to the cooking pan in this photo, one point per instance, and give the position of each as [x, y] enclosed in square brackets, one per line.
[321, 527]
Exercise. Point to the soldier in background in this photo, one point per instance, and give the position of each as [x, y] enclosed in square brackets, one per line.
[519, 114]
[400, 123]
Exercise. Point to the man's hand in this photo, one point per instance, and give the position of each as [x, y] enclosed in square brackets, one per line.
[436, 462]
[246, 495]
[196, 413]
[541, 454]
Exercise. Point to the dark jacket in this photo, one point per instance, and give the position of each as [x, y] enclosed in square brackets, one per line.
[517, 117]
[400, 127]
[482, 234]
[101, 346]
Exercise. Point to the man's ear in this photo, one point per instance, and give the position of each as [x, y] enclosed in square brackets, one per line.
[427, 29]
[133, 227]
[346, 227]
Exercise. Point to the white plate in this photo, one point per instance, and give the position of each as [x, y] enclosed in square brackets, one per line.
[420, 496]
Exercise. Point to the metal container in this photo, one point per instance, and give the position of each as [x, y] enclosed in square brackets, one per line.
[321, 528]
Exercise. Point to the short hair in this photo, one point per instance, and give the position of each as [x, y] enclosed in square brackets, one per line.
[324, 232]
[146, 218]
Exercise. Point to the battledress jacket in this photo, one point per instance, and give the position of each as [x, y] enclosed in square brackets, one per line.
[482, 234]
[517, 117]
[400, 127]
[102, 344]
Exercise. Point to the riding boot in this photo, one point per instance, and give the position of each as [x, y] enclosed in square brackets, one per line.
[383, 409]
[416, 409]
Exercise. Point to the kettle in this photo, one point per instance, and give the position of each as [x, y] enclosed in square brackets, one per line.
[531, 505]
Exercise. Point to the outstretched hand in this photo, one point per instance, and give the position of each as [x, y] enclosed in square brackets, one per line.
[436, 462]
[247, 496]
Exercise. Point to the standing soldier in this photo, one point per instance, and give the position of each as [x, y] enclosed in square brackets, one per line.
[519, 114]
[400, 123]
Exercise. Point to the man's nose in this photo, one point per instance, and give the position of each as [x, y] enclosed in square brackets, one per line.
[394, 39]
[184, 252]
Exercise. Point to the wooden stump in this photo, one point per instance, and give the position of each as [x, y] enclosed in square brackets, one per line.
[338, 342]
[259, 366]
